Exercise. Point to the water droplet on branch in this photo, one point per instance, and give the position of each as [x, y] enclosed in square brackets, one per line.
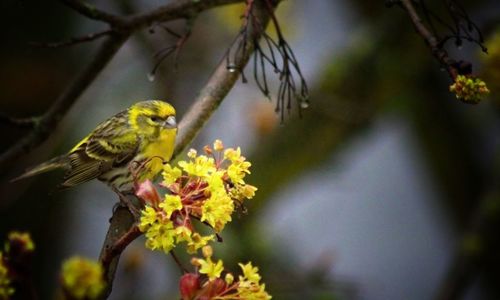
[231, 68]
[151, 77]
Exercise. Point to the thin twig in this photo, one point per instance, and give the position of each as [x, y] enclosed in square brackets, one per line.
[18, 122]
[173, 49]
[90, 11]
[215, 90]
[439, 53]
[73, 41]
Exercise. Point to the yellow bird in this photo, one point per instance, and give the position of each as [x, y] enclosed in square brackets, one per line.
[131, 145]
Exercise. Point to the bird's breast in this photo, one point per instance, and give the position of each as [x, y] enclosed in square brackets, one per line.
[159, 150]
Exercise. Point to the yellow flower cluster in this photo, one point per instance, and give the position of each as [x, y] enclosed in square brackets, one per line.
[6, 290]
[247, 286]
[22, 239]
[469, 89]
[161, 234]
[18, 247]
[204, 187]
[82, 278]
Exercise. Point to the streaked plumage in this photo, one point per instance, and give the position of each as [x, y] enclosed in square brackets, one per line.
[132, 144]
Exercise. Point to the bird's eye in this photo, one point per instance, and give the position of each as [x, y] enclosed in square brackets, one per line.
[155, 119]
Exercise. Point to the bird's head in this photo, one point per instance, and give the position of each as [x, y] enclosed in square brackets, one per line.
[152, 117]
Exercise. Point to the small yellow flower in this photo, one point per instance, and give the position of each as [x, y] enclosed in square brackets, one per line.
[160, 236]
[197, 241]
[148, 217]
[218, 145]
[250, 273]
[251, 291]
[239, 167]
[211, 269]
[192, 153]
[171, 204]
[217, 210]
[229, 278]
[207, 251]
[82, 278]
[201, 166]
[232, 154]
[246, 287]
[170, 174]
[241, 192]
[183, 234]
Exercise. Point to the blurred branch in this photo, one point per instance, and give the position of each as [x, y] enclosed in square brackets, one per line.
[48, 122]
[439, 53]
[479, 243]
[73, 41]
[211, 95]
[91, 12]
[174, 10]
[18, 122]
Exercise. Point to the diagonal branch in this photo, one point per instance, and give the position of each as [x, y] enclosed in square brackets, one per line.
[174, 10]
[439, 53]
[49, 121]
[73, 41]
[90, 11]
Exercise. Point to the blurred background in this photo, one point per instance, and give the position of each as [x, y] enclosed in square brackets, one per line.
[387, 187]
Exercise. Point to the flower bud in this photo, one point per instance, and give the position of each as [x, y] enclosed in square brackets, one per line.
[195, 262]
[207, 251]
[207, 150]
[229, 279]
[218, 145]
[192, 153]
[147, 192]
[189, 285]
[217, 286]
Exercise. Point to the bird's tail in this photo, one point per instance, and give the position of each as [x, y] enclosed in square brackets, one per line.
[55, 163]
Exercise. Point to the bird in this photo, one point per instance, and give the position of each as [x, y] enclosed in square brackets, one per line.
[129, 147]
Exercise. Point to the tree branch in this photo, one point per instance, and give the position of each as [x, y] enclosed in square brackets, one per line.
[439, 53]
[90, 11]
[217, 87]
[208, 100]
[73, 41]
[18, 122]
[174, 10]
[49, 121]
[122, 231]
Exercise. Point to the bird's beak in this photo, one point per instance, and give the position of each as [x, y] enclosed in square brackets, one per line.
[170, 122]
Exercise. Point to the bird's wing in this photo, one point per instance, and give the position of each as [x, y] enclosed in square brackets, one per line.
[111, 144]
